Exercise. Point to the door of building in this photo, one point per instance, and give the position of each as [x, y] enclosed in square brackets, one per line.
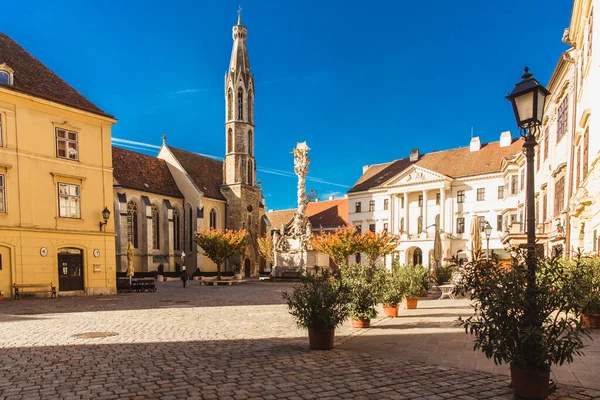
[70, 270]
[418, 257]
[5, 279]
[247, 268]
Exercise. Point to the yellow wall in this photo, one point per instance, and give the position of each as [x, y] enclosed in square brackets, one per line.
[28, 160]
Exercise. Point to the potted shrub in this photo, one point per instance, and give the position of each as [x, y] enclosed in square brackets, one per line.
[411, 278]
[529, 334]
[391, 294]
[320, 303]
[586, 271]
[1, 295]
[365, 284]
[443, 275]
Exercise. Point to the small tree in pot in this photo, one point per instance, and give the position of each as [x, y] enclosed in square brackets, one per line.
[502, 324]
[412, 279]
[392, 293]
[365, 285]
[586, 271]
[320, 303]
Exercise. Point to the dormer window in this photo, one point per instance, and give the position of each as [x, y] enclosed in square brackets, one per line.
[6, 74]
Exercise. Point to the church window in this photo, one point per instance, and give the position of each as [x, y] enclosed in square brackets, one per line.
[155, 228]
[420, 224]
[250, 106]
[132, 223]
[250, 170]
[240, 105]
[229, 105]
[176, 229]
[250, 143]
[66, 144]
[229, 140]
[213, 219]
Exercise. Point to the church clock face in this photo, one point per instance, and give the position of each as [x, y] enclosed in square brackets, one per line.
[249, 208]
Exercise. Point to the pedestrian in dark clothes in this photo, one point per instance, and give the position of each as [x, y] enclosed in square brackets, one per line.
[184, 276]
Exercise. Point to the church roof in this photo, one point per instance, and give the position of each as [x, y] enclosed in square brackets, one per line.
[138, 171]
[454, 163]
[34, 78]
[326, 214]
[205, 172]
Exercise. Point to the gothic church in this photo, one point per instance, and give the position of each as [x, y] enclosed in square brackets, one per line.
[161, 201]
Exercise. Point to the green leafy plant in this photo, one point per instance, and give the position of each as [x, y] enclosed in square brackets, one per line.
[413, 280]
[365, 285]
[443, 274]
[507, 329]
[219, 245]
[318, 301]
[392, 289]
[585, 271]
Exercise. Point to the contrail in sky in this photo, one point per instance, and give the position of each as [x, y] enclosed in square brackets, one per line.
[131, 144]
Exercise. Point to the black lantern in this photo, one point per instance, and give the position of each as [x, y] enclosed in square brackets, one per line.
[487, 229]
[105, 216]
[528, 99]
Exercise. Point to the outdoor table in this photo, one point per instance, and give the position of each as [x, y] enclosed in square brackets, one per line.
[447, 291]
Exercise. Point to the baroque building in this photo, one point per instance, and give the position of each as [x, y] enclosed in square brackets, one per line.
[160, 202]
[55, 181]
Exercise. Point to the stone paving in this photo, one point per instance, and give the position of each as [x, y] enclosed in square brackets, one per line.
[208, 343]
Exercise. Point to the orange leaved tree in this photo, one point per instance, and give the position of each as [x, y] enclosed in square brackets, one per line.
[266, 248]
[219, 245]
[339, 244]
[375, 246]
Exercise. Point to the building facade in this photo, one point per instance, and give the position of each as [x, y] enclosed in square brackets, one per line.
[55, 181]
[160, 202]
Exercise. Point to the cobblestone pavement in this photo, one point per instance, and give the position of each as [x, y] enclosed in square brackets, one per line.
[207, 343]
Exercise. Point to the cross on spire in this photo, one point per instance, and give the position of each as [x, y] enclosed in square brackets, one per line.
[239, 13]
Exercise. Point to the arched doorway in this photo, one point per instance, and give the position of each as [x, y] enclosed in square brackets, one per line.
[417, 257]
[70, 270]
[5, 268]
[247, 268]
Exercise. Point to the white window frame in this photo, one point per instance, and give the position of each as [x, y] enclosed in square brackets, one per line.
[72, 200]
[69, 155]
[2, 193]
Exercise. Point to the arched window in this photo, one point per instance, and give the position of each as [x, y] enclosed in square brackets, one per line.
[213, 219]
[176, 229]
[132, 223]
[250, 143]
[229, 140]
[250, 106]
[250, 173]
[4, 78]
[155, 228]
[240, 115]
[420, 224]
[229, 105]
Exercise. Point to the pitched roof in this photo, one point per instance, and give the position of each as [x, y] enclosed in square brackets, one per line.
[141, 172]
[205, 172]
[326, 214]
[34, 78]
[454, 163]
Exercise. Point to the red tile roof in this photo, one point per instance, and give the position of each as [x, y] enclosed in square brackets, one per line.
[138, 171]
[326, 214]
[205, 172]
[454, 163]
[34, 78]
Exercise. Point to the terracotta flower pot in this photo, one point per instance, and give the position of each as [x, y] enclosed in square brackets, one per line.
[530, 383]
[410, 304]
[361, 323]
[1, 297]
[390, 310]
[591, 321]
[321, 338]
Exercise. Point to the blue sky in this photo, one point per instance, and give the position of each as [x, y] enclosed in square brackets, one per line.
[361, 82]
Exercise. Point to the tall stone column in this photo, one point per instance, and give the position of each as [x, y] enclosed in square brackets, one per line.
[406, 223]
[392, 213]
[425, 224]
[442, 209]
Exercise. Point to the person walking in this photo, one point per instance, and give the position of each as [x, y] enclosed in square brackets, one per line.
[184, 276]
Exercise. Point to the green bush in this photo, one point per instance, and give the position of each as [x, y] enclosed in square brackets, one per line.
[443, 274]
[414, 279]
[365, 284]
[318, 301]
[585, 271]
[527, 328]
[392, 289]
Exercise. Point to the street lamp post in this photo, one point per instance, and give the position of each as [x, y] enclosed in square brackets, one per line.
[528, 99]
[488, 233]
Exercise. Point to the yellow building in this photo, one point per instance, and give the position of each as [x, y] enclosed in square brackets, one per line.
[55, 181]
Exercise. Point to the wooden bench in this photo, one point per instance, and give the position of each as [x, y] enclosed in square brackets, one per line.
[215, 282]
[38, 288]
[290, 275]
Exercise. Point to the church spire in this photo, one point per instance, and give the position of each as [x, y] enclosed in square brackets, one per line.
[240, 63]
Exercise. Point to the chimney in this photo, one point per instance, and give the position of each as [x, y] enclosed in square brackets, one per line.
[505, 139]
[414, 155]
[475, 144]
[365, 168]
[332, 197]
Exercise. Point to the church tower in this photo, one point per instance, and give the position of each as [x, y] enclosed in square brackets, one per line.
[244, 197]
[240, 166]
